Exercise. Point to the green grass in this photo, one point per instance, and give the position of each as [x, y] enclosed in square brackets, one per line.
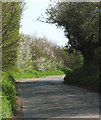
[8, 95]
[33, 73]
[85, 77]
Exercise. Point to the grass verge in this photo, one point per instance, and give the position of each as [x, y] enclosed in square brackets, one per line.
[33, 73]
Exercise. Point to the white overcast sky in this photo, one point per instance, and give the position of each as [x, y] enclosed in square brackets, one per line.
[34, 9]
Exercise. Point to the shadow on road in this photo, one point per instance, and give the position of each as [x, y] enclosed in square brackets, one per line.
[46, 99]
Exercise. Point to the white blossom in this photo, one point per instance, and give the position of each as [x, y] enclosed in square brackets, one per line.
[36, 53]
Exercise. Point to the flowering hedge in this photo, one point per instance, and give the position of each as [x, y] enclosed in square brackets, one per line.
[37, 53]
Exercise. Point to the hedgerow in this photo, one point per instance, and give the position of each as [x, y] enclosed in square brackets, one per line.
[8, 95]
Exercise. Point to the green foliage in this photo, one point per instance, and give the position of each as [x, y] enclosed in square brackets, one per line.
[8, 87]
[83, 76]
[81, 24]
[0, 105]
[40, 54]
[86, 77]
[8, 95]
[11, 15]
[33, 73]
[80, 21]
[6, 107]
[78, 61]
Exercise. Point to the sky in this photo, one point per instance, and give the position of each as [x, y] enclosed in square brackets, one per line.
[30, 25]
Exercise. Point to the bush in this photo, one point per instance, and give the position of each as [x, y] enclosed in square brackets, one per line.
[83, 76]
[86, 77]
[6, 107]
[8, 95]
[39, 54]
[9, 88]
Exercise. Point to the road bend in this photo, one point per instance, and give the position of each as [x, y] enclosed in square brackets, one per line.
[48, 97]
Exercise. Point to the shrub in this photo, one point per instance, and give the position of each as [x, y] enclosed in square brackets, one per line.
[83, 76]
[6, 107]
[38, 53]
[8, 95]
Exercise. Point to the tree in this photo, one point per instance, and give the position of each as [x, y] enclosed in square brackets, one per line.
[81, 25]
[11, 15]
[38, 53]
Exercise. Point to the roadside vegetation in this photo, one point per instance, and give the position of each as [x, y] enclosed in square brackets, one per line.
[25, 56]
[83, 76]
[81, 22]
[35, 73]
[11, 15]
[8, 95]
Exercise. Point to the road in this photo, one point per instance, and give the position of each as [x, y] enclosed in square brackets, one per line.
[48, 97]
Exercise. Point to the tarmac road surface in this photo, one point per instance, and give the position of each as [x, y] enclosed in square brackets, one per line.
[48, 97]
